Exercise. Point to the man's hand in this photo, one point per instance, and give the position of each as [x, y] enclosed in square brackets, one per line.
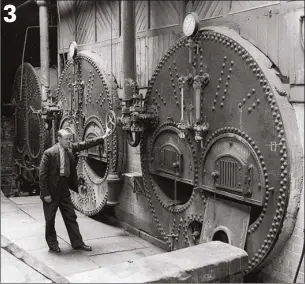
[108, 132]
[48, 199]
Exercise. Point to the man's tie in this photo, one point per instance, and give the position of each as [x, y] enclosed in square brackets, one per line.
[67, 164]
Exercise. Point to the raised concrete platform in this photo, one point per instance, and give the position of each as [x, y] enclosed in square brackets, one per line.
[15, 271]
[22, 228]
[212, 262]
[117, 256]
[26, 265]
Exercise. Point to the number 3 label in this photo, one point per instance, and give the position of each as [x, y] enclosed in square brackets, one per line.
[11, 13]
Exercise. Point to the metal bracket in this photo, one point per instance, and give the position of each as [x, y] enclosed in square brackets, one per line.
[137, 183]
[138, 186]
[173, 238]
[38, 112]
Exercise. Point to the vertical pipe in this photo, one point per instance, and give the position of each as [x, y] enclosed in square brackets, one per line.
[44, 49]
[58, 50]
[59, 62]
[59, 39]
[197, 104]
[128, 46]
[182, 104]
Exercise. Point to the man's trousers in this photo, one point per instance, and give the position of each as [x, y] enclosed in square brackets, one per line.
[61, 200]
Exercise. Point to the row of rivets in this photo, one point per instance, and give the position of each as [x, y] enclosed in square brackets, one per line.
[282, 196]
[281, 203]
[280, 136]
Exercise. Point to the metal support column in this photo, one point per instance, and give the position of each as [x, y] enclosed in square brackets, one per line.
[44, 49]
[128, 48]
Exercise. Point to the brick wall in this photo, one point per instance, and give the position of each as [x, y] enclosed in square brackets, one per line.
[133, 160]
[283, 267]
[134, 209]
[7, 161]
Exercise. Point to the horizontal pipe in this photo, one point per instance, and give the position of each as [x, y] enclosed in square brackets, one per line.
[24, 4]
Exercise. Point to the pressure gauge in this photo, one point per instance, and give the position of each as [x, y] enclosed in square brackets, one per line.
[73, 49]
[190, 24]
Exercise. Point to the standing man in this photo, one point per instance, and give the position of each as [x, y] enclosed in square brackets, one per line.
[57, 173]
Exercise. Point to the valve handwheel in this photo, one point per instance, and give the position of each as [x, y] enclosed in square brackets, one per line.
[111, 121]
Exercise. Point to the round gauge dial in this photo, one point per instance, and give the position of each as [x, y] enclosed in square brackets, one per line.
[73, 49]
[190, 24]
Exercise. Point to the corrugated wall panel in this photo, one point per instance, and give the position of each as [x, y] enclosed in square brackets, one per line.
[239, 6]
[156, 47]
[271, 34]
[207, 9]
[298, 49]
[143, 62]
[273, 39]
[138, 60]
[215, 9]
[107, 16]
[104, 50]
[141, 16]
[163, 13]
[85, 21]
[66, 32]
[283, 45]
[150, 57]
[262, 39]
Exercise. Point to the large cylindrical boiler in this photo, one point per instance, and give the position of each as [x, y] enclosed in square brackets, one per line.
[234, 181]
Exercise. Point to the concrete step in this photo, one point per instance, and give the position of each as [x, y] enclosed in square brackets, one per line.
[19, 256]
[212, 262]
[117, 256]
[14, 270]
[22, 223]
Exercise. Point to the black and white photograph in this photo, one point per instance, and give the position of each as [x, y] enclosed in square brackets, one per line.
[152, 141]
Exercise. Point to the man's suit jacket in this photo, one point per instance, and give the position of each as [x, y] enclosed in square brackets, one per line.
[49, 169]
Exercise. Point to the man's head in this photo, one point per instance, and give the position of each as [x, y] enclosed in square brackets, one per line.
[64, 138]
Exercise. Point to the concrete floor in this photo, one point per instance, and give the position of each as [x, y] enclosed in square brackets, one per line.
[22, 222]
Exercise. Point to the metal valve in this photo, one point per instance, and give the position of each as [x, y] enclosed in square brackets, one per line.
[38, 112]
[194, 121]
[136, 115]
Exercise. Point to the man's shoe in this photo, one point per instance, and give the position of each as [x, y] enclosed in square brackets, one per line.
[83, 247]
[55, 249]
